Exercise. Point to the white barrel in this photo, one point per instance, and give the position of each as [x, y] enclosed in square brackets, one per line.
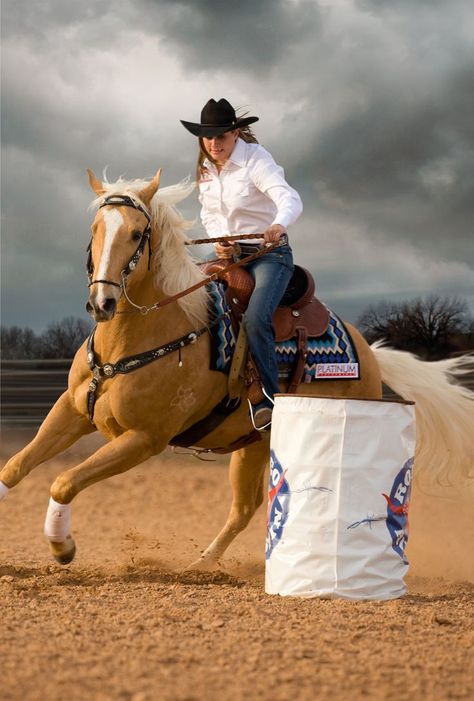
[339, 489]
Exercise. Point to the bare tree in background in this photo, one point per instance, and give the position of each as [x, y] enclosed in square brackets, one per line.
[19, 343]
[424, 325]
[63, 338]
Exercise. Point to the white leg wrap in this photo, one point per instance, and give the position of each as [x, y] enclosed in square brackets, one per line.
[3, 491]
[57, 525]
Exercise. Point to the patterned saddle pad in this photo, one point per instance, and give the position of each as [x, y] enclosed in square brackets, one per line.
[330, 356]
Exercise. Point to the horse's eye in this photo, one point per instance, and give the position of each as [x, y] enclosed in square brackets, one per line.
[136, 235]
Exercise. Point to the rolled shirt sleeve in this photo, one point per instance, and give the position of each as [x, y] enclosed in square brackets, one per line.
[289, 205]
[269, 178]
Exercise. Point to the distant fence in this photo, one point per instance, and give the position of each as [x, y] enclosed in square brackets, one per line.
[29, 389]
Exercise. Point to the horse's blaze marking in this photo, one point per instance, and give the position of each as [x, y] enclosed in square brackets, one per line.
[113, 221]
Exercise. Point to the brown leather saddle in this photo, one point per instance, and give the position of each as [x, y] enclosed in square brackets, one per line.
[300, 314]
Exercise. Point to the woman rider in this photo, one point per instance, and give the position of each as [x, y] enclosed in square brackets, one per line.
[243, 191]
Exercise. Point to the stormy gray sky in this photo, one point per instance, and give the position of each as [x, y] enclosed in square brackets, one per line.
[368, 105]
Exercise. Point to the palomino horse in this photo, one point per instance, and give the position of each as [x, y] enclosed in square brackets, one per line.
[140, 412]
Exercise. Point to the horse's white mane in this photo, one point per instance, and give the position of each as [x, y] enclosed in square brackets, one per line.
[174, 269]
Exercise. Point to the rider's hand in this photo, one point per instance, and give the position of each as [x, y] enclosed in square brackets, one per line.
[224, 250]
[273, 233]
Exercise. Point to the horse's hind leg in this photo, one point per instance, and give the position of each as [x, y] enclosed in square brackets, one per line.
[246, 473]
[61, 428]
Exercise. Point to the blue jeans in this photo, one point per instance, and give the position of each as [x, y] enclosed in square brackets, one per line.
[272, 273]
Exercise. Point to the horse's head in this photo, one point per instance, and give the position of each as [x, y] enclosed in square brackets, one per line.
[120, 231]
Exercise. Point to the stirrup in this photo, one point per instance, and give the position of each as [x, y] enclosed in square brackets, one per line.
[254, 414]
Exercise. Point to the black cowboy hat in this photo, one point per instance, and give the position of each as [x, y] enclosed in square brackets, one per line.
[217, 118]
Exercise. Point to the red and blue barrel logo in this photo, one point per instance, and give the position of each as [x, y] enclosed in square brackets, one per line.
[278, 504]
[397, 509]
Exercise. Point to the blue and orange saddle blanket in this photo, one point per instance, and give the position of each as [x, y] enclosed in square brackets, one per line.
[332, 355]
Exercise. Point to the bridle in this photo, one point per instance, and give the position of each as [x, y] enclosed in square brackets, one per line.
[123, 201]
[127, 201]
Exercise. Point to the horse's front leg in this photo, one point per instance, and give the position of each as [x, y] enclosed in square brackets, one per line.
[122, 453]
[61, 428]
[246, 473]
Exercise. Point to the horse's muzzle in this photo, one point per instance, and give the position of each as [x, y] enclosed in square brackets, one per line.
[103, 310]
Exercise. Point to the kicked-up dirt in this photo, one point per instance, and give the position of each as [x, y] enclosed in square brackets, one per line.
[124, 622]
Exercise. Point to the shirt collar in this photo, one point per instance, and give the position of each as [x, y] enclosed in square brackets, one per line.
[239, 154]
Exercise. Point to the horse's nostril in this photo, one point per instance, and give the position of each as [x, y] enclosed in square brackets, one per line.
[108, 305]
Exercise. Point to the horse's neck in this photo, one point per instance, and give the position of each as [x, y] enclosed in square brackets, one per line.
[131, 332]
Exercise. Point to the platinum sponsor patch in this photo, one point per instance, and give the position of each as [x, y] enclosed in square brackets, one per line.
[334, 370]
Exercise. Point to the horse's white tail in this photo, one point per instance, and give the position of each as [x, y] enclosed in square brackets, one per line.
[444, 411]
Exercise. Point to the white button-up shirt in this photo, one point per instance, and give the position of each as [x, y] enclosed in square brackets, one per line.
[248, 195]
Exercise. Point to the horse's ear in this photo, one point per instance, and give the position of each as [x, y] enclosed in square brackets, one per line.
[146, 195]
[95, 183]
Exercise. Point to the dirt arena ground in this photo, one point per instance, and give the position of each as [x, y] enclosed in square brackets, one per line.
[123, 623]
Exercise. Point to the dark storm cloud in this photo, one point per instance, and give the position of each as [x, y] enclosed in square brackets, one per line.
[209, 34]
[408, 134]
[380, 152]
[417, 149]
[378, 5]
[399, 155]
[245, 35]
[367, 105]
[39, 21]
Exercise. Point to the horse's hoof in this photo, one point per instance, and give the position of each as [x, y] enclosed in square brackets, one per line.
[63, 552]
[203, 564]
